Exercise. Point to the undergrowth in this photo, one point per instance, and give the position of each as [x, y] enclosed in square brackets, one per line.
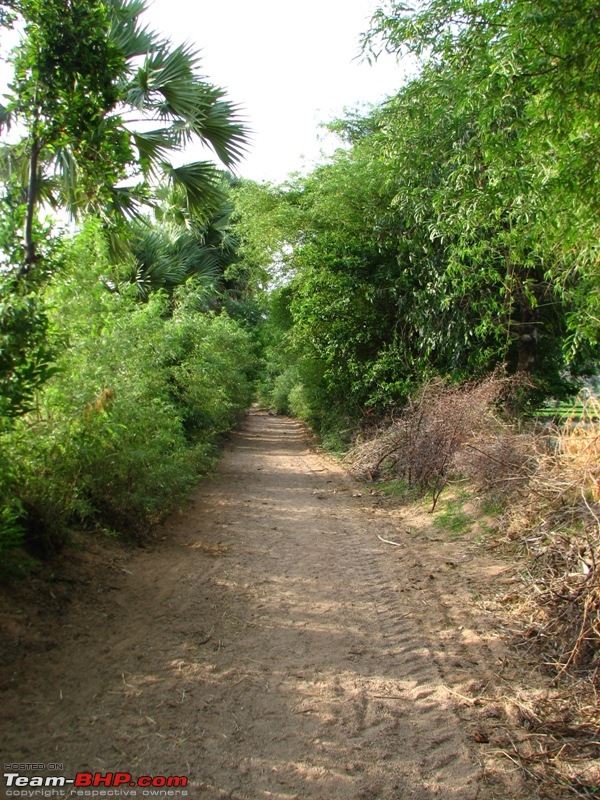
[543, 486]
[131, 418]
[422, 444]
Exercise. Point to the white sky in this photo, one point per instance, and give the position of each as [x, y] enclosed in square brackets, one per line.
[289, 63]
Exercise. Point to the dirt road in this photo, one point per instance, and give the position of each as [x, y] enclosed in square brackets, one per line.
[270, 646]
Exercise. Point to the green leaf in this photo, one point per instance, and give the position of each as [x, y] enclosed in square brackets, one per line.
[200, 182]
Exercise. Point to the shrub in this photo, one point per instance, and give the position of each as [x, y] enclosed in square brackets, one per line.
[423, 444]
[25, 353]
[132, 416]
[279, 395]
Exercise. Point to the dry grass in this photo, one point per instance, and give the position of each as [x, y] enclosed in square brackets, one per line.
[549, 479]
[554, 741]
[554, 522]
[558, 525]
[422, 445]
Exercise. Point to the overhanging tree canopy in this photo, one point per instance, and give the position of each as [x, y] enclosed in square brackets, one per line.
[106, 103]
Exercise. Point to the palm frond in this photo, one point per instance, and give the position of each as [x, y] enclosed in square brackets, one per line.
[222, 127]
[165, 257]
[14, 162]
[118, 242]
[6, 119]
[125, 203]
[200, 182]
[171, 207]
[158, 263]
[166, 84]
[125, 31]
[153, 147]
[48, 191]
[65, 166]
[200, 260]
[221, 219]
[183, 133]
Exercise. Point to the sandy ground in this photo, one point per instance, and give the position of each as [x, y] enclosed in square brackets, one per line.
[268, 644]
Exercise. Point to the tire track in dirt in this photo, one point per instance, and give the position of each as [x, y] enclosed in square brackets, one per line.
[271, 647]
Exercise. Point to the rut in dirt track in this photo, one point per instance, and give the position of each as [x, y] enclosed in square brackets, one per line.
[270, 647]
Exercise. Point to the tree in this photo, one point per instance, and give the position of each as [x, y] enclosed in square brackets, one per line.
[106, 103]
[178, 243]
[523, 176]
[457, 231]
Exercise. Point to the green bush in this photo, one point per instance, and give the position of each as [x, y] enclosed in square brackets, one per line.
[25, 352]
[11, 511]
[299, 402]
[278, 393]
[132, 415]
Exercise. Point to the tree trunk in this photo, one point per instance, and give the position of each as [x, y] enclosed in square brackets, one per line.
[527, 361]
[30, 250]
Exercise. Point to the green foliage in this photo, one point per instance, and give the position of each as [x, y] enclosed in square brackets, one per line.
[278, 394]
[26, 354]
[452, 518]
[518, 94]
[81, 89]
[65, 71]
[180, 243]
[11, 510]
[458, 228]
[132, 415]
[394, 488]
[119, 366]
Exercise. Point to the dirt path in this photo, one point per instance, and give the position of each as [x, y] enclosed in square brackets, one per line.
[272, 646]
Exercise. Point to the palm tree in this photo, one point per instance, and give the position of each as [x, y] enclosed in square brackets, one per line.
[180, 243]
[108, 104]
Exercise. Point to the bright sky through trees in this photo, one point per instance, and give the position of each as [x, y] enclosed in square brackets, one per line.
[289, 65]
